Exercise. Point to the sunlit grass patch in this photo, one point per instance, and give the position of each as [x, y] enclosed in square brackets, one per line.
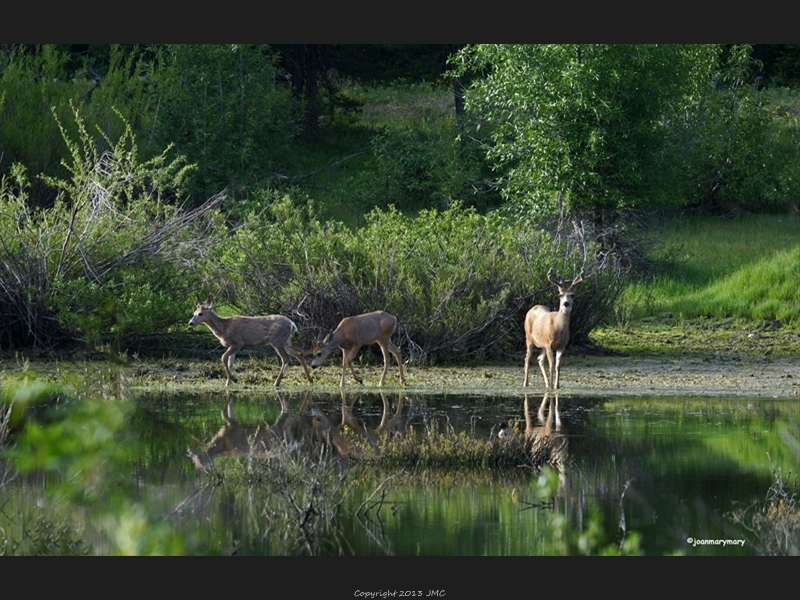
[765, 289]
[717, 282]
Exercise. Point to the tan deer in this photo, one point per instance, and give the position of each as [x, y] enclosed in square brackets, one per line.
[546, 442]
[352, 333]
[237, 332]
[549, 330]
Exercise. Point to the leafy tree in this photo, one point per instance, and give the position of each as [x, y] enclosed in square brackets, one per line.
[742, 152]
[584, 126]
[220, 106]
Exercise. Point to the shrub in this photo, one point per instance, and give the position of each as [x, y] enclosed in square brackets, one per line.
[459, 282]
[109, 257]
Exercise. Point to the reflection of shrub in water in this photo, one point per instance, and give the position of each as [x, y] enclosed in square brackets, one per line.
[44, 537]
[300, 493]
[774, 526]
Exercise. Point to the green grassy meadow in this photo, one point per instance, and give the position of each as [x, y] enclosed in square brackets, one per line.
[713, 279]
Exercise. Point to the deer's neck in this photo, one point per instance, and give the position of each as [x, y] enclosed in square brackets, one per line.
[218, 325]
[562, 319]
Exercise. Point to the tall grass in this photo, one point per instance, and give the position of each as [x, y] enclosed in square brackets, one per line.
[746, 268]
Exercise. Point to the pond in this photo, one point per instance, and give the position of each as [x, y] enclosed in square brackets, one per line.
[274, 474]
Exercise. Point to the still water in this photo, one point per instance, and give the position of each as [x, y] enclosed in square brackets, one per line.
[663, 469]
[653, 473]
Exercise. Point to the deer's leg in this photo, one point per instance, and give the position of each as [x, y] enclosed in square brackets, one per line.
[558, 368]
[227, 411]
[545, 353]
[396, 351]
[347, 360]
[227, 362]
[527, 363]
[386, 359]
[540, 412]
[284, 363]
[298, 354]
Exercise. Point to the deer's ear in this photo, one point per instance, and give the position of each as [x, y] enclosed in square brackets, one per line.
[209, 301]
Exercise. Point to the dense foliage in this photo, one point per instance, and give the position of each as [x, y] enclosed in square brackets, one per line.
[114, 161]
[584, 124]
[459, 282]
[110, 257]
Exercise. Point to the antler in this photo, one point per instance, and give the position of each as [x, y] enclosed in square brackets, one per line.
[553, 278]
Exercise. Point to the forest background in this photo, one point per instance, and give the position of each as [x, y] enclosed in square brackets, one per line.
[437, 182]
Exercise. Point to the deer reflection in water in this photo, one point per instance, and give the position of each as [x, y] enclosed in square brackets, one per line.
[308, 431]
[544, 440]
[390, 423]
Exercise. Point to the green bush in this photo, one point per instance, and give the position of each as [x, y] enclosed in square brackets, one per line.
[459, 282]
[109, 257]
[220, 106]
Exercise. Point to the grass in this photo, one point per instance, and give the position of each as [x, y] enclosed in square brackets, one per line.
[746, 268]
[719, 284]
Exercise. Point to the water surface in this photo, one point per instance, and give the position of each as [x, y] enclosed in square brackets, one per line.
[654, 471]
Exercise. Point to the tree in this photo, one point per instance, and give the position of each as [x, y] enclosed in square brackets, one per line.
[584, 126]
[220, 106]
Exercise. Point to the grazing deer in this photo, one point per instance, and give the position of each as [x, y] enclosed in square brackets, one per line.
[354, 332]
[549, 330]
[236, 333]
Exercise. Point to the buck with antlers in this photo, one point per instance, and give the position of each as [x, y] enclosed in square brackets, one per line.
[236, 333]
[352, 333]
[549, 330]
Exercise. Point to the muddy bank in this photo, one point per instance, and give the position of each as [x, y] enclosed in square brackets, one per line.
[593, 375]
[580, 375]
[609, 376]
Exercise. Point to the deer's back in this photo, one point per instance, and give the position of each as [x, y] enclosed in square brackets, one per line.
[370, 325]
[258, 331]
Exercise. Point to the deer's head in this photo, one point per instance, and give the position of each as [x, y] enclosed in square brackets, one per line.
[566, 293]
[200, 314]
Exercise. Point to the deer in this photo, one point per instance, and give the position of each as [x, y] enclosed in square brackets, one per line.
[546, 443]
[390, 423]
[354, 332]
[549, 330]
[236, 333]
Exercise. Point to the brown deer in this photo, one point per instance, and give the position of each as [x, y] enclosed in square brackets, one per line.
[549, 330]
[236, 333]
[361, 330]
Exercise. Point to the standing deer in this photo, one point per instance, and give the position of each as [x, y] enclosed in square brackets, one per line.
[236, 333]
[361, 330]
[549, 330]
